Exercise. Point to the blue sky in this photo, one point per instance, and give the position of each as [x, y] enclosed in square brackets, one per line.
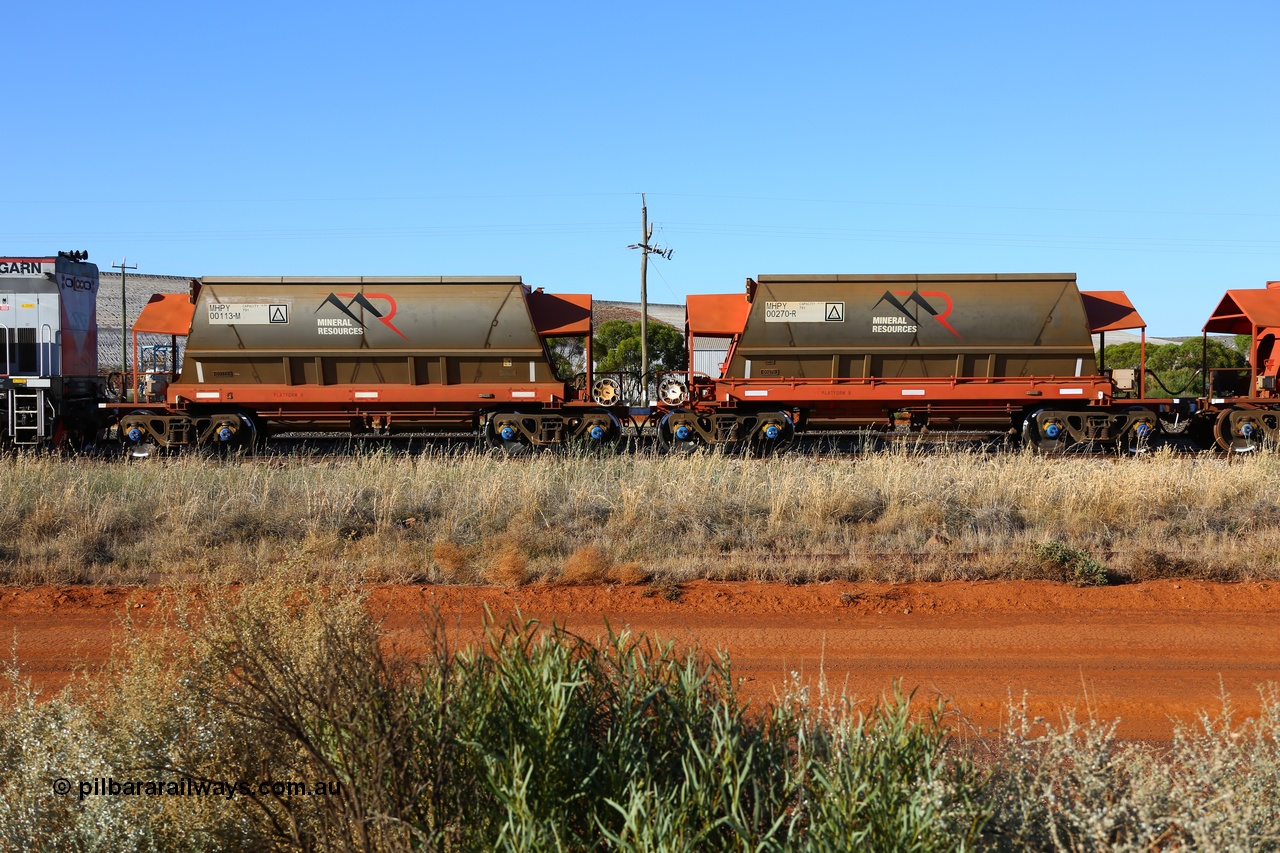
[1136, 144]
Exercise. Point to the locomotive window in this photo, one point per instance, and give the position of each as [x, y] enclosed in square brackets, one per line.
[23, 354]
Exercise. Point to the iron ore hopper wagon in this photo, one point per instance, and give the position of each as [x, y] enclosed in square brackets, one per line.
[367, 355]
[956, 354]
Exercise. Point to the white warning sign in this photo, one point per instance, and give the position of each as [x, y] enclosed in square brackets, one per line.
[247, 314]
[804, 312]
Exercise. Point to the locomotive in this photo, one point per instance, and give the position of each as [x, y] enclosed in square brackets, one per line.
[1004, 355]
[49, 339]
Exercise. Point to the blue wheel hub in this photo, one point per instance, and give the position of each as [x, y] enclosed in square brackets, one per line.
[772, 431]
[226, 433]
[683, 432]
[508, 432]
[1246, 429]
[134, 433]
[1144, 430]
[1052, 430]
[597, 432]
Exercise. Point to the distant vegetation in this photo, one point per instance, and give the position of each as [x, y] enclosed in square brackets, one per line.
[616, 346]
[1177, 367]
[542, 741]
[904, 514]
[616, 349]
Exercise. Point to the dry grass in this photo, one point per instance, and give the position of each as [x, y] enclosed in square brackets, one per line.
[451, 560]
[629, 574]
[585, 566]
[899, 515]
[509, 567]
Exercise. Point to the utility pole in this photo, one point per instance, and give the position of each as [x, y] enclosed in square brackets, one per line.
[124, 326]
[646, 233]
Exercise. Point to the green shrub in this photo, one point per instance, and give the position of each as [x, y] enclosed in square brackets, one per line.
[1077, 564]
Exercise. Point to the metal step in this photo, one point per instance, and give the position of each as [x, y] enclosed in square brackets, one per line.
[27, 423]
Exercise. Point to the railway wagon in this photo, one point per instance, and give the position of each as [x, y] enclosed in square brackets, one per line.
[1243, 408]
[49, 350]
[977, 354]
[367, 354]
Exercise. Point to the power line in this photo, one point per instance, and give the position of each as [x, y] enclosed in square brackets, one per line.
[879, 203]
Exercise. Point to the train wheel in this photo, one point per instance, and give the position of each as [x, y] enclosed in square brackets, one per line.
[502, 434]
[1045, 431]
[1143, 430]
[1239, 430]
[600, 430]
[136, 440]
[233, 432]
[679, 437]
[774, 433]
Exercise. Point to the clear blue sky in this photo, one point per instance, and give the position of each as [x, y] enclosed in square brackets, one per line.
[1136, 144]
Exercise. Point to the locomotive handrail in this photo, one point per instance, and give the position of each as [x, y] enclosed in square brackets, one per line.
[44, 357]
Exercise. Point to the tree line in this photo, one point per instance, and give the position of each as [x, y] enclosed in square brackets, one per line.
[1177, 368]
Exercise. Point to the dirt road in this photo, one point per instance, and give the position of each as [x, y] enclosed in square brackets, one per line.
[1145, 653]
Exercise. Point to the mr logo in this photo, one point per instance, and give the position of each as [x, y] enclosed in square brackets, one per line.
[363, 301]
[921, 300]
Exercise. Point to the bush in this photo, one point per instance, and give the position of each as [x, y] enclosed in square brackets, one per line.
[1076, 563]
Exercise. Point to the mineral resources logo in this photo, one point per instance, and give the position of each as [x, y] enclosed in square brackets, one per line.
[905, 320]
[350, 323]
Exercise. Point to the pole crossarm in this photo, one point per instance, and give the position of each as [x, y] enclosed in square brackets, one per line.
[646, 234]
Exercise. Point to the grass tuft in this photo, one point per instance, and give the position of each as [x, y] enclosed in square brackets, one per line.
[585, 566]
[508, 567]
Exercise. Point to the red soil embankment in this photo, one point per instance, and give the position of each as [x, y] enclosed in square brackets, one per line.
[1146, 653]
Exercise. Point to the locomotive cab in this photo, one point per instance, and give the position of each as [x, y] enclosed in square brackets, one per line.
[48, 347]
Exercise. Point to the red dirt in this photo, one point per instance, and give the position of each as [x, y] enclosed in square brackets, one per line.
[1146, 653]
